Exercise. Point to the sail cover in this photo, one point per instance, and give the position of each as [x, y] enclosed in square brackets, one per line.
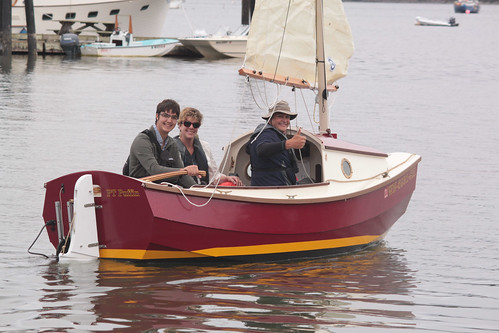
[282, 40]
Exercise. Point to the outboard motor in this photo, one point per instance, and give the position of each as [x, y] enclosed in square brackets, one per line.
[452, 21]
[70, 44]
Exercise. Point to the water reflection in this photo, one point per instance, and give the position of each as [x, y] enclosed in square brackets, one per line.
[68, 295]
[366, 289]
[5, 64]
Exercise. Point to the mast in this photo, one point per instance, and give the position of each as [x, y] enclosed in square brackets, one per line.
[321, 69]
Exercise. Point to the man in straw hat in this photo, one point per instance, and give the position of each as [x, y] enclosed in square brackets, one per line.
[273, 161]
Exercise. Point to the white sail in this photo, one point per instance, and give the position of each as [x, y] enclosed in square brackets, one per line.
[282, 40]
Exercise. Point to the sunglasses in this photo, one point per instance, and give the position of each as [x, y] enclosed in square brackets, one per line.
[188, 124]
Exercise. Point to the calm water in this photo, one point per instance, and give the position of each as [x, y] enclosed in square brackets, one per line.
[427, 90]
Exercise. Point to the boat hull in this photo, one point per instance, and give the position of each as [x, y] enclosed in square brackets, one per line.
[142, 222]
[149, 17]
[217, 47]
[435, 23]
[146, 48]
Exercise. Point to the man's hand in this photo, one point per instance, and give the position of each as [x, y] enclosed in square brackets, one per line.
[192, 170]
[297, 141]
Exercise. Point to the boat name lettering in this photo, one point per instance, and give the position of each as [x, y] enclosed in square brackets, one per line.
[393, 188]
[121, 193]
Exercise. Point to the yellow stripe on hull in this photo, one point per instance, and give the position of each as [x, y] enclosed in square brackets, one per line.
[288, 247]
[241, 250]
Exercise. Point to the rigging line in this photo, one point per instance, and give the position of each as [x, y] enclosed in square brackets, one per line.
[384, 173]
[314, 91]
[266, 100]
[263, 127]
[274, 103]
[252, 93]
[293, 89]
[315, 108]
[282, 39]
[187, 199]
[71, 225]
[297, 125]
[188, 21]
[256, 102]
[308, 112]
[304, 168]
[257, 89]
[224, 161]
[263, 95]
[210, 182]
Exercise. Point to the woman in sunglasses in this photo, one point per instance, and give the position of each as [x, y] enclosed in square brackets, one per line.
[197, 152]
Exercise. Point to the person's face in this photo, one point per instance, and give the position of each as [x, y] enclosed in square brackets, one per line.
[189, 128]
[165, 121]
[280, 121]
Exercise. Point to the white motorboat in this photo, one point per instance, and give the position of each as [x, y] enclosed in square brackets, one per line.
[122, 44]
[149, 15]
[230, 44]
[429, 22]
[129, 47]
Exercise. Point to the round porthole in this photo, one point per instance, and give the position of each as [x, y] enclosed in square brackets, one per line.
[248, 171]
[346, 168]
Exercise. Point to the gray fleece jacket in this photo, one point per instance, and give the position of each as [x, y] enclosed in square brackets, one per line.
[144, 160]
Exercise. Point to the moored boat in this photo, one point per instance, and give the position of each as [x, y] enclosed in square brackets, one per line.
[129, 48]
[429, 22]
[232, 45]
[122, 44]
[467, 6]
[149, 16]
[347, 199]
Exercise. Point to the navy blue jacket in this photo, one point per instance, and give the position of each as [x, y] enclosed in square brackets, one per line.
[271, 163]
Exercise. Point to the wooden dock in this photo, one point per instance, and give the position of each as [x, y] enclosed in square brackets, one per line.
[45, 44]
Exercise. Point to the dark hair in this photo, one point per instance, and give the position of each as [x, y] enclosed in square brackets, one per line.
[168, 105]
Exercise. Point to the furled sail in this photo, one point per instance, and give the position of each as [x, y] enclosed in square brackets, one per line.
[282, 41]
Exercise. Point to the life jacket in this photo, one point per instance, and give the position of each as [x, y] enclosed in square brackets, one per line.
[275, 170]
[199, 157]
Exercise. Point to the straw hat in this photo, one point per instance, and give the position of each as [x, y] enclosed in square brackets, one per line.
[280, 107]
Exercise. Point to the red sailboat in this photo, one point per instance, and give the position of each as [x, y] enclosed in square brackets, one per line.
[351, 197]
